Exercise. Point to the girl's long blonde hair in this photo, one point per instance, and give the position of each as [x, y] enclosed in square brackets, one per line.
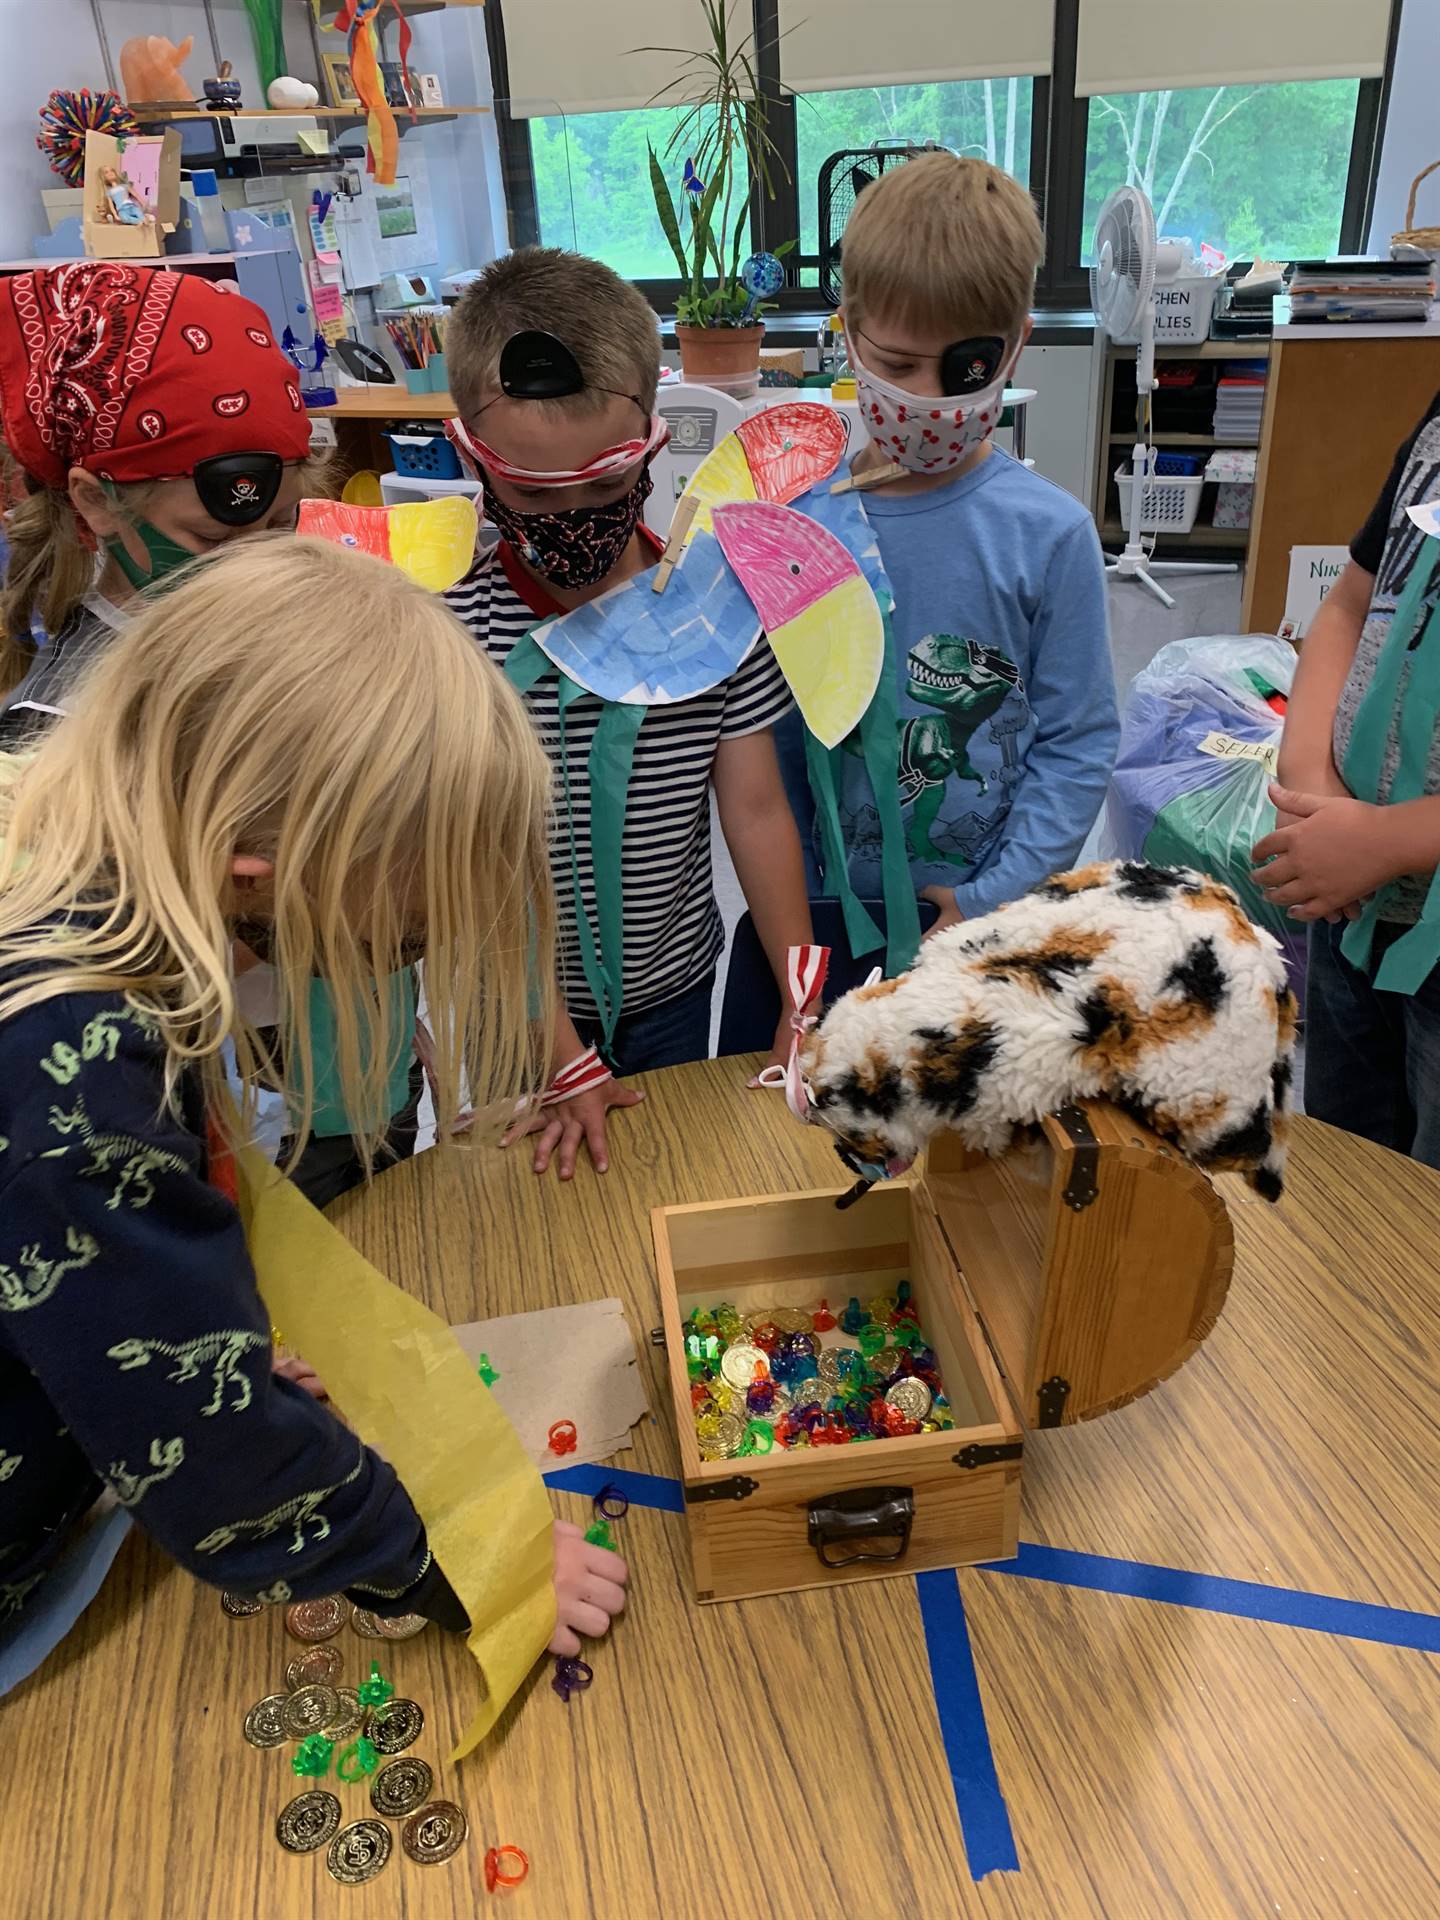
[311, 706]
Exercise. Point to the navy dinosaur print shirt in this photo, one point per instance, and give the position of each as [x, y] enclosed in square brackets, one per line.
[135, 1350]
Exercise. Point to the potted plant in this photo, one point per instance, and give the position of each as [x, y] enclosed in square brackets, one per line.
[726, 141]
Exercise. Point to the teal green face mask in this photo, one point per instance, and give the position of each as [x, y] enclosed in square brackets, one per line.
[164, 553]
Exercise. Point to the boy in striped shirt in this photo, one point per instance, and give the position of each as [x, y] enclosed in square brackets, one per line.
[587, 349]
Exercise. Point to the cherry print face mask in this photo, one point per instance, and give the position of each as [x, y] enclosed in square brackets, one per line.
[922, 433]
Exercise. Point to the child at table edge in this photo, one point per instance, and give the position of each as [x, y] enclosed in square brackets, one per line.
[559, 548]
[1008, 722]
[207, 775]
[1372, 1054]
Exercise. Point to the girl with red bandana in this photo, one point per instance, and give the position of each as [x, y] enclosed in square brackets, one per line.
[147, 417]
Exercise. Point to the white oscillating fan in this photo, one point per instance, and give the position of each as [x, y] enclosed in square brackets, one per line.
[1122, 282]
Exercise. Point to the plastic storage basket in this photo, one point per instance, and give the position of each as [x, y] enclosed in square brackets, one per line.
[1168, 504]
[425, 456]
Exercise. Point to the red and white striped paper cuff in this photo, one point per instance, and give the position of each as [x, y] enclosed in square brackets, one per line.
[585, 1071]
[805, 969]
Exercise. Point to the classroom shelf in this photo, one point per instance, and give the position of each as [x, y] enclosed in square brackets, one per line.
[1236, 538]
[387, 403]
[1128, 437]
[161, 116]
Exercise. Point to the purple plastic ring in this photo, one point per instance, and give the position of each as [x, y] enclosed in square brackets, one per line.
[611, 1502]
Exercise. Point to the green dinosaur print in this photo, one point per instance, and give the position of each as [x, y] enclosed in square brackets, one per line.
[40, 1277]
[9, 1463]
[302, 1511]
[100, 1039]
[222, 1351]
[136, 1161]
[131, 1488]
[968, 683]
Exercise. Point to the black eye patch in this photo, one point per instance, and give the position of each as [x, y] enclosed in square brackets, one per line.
[237, 489]
[537, 366]
[968, 365]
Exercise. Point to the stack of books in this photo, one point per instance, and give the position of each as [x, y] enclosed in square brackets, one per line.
[1239, 400]
[1357, 290]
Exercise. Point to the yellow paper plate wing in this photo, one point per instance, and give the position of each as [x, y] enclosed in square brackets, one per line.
[724, 474]
[832, 655]
[403, 1383]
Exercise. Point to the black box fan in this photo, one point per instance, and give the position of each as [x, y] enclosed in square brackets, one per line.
[843, 178]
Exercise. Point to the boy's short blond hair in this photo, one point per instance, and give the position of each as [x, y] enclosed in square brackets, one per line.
[943, 244]
[609, 327]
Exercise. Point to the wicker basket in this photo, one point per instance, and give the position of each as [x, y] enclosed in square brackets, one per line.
[1426, 238]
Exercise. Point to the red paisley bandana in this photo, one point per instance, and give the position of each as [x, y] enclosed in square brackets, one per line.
[137, 373]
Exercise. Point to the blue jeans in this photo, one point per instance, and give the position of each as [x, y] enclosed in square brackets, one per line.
[666, 1035]
[1372, 1059]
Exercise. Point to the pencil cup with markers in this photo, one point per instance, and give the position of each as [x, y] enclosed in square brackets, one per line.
[419, 340]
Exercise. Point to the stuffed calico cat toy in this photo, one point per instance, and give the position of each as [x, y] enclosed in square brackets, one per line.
[1146, 986]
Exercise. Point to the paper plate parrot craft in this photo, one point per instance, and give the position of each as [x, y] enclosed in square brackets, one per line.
[807, 575]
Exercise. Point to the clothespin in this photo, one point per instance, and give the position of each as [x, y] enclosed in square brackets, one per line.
[876, 477]
[679, 526]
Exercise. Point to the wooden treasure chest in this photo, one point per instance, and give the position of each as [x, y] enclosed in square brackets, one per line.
[1052, 1284]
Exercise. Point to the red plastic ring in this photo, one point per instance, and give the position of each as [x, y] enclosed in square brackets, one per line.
[563, 1437]
[494, 1877]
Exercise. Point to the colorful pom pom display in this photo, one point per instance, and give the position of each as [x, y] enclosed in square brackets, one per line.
[65, 119]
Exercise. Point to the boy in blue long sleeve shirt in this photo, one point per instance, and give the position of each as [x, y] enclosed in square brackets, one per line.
[1008, 725]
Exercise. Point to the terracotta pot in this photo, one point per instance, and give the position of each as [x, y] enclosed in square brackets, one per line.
[728, 351]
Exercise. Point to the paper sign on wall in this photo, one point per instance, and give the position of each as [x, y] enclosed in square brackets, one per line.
[1313, 571]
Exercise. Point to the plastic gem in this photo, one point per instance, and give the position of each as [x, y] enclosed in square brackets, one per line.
[905, 1333]
[699, 1394]
[904, 1295]
[504, 1867]
[829, 1431]
[610, 1502]
[854, 1317]
[760, 1397]
[357, 1760]
[824, 1319]
[767, 1336]
[599, 1535]
[375, 1691]
[312, 1756]
[882, 1306]
[563, 1437]
[759, 1437]
[486, 1372]
[570, 1676]
[872, 1339]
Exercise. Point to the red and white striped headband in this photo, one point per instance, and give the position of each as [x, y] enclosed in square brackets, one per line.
[614, 460]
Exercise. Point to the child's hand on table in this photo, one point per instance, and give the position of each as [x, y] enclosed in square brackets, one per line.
[301, 1375]
[589, 1589]
[1331, 852]
[949, 915]
[569, 1122]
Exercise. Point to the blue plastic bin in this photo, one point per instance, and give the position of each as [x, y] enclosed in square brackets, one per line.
[424, 456]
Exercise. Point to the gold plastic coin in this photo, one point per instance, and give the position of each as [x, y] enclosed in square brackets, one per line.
[911, 1396]
[730, 1435]
[358, 1852]
[762, 1317]
[316, 1667]
[349, 1716]
[240, 1606]
[887, 1361]
[404, 1626]
[434, 1833]
[395, 1726]
[738, 1364]
[792, 1320]
[309, 1709]
[401, 1786]
[308, 1822]
[312, 1620]
[264, 1723]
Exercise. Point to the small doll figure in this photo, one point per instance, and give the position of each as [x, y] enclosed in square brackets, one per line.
[121, 203]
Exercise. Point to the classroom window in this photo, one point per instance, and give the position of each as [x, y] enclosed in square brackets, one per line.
[1255, 170]
[592, 186]
[987, 118]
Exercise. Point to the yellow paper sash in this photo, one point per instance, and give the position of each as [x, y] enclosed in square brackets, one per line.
[408, 1391]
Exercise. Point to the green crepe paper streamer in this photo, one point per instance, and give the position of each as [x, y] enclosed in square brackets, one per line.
[268, 33]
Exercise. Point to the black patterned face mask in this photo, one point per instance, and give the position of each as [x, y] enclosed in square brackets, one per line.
[577, 546]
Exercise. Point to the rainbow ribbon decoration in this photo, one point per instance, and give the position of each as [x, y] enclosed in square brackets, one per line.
[356, 19]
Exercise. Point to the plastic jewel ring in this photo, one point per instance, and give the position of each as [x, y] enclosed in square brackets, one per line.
[357, 1761]
[610, 1502]
[504, 1867]
[570, 1676]
[563, 1437]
